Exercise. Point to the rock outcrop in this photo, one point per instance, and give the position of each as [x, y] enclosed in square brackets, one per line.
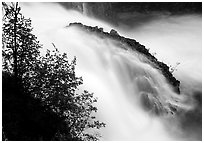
[135, 46]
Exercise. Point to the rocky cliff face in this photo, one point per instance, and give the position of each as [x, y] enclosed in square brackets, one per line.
[101, 10]
[121, 12]
[136, 46]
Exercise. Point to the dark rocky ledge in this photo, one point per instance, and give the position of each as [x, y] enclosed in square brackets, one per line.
[134, 45]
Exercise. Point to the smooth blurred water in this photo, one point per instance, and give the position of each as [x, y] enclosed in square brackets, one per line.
[121, 79]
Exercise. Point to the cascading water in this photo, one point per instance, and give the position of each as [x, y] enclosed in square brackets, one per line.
[134, 99]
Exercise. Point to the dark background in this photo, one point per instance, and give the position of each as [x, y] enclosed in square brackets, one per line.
[121, 12]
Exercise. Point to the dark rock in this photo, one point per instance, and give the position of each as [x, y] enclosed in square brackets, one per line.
[136, 46]
[113, 32]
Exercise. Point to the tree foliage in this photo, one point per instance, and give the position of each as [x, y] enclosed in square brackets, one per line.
[57, 86]
[50, 79]
[20, 47]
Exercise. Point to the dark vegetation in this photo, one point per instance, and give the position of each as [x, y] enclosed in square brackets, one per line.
[24, 117]
[40, 99]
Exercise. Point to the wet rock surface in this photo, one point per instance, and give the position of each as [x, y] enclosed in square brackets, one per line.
[135, 46]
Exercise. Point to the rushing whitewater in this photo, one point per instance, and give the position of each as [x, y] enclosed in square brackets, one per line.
[134, 99]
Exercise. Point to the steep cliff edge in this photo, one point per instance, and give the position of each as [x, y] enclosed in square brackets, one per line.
[135, 46]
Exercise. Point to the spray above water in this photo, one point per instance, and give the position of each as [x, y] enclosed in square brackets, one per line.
[134, 99]
[174, 39]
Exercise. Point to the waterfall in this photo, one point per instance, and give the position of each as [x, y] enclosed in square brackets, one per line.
[134, 99]
[84, 7]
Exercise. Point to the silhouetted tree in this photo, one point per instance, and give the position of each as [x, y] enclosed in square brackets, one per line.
[56, 84]
[20, 47]
[49, 80]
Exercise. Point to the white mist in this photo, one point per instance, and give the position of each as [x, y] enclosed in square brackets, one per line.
[113, 74]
